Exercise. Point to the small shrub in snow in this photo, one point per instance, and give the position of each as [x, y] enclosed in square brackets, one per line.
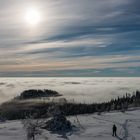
[58, 123]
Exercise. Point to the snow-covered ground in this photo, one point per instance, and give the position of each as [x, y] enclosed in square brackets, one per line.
[92, 127]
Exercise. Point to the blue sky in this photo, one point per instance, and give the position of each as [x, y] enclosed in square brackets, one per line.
[73, 38]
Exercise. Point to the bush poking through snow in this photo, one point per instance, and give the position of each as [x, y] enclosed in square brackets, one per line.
[58, 122]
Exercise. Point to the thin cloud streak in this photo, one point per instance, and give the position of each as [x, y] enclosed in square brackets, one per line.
[73, 35]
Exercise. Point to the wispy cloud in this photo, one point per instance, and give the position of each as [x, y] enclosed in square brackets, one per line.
[84, 36]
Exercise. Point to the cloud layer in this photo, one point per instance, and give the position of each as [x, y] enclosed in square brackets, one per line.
[78, 89]
[75, 38]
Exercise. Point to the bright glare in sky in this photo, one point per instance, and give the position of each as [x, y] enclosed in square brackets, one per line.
[32, 16]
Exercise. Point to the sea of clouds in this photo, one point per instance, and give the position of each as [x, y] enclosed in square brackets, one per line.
[78, 89]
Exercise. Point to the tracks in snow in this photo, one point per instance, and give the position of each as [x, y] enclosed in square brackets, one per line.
[124, 126]
[126, 133]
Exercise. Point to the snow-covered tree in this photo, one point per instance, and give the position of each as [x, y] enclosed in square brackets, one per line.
[32, 128]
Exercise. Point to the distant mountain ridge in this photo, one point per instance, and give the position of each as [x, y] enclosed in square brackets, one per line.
[33, 93]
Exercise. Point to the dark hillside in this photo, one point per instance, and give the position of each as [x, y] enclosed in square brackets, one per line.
[18, 109]
[32, 93]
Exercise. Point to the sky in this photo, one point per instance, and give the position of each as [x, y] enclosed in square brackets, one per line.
[68, 38]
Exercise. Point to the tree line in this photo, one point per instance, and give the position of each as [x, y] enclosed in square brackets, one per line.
[16, 110]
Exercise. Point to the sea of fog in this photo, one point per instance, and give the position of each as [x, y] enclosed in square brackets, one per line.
[77, 89]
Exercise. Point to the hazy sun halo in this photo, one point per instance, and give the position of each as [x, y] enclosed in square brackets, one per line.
[32, 16]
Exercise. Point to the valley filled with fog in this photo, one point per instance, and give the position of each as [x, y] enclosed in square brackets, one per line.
[78, 89]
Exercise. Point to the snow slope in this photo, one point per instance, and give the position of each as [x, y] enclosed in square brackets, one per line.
[92, 127]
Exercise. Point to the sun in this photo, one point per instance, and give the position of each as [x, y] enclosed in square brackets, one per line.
[32, 16]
